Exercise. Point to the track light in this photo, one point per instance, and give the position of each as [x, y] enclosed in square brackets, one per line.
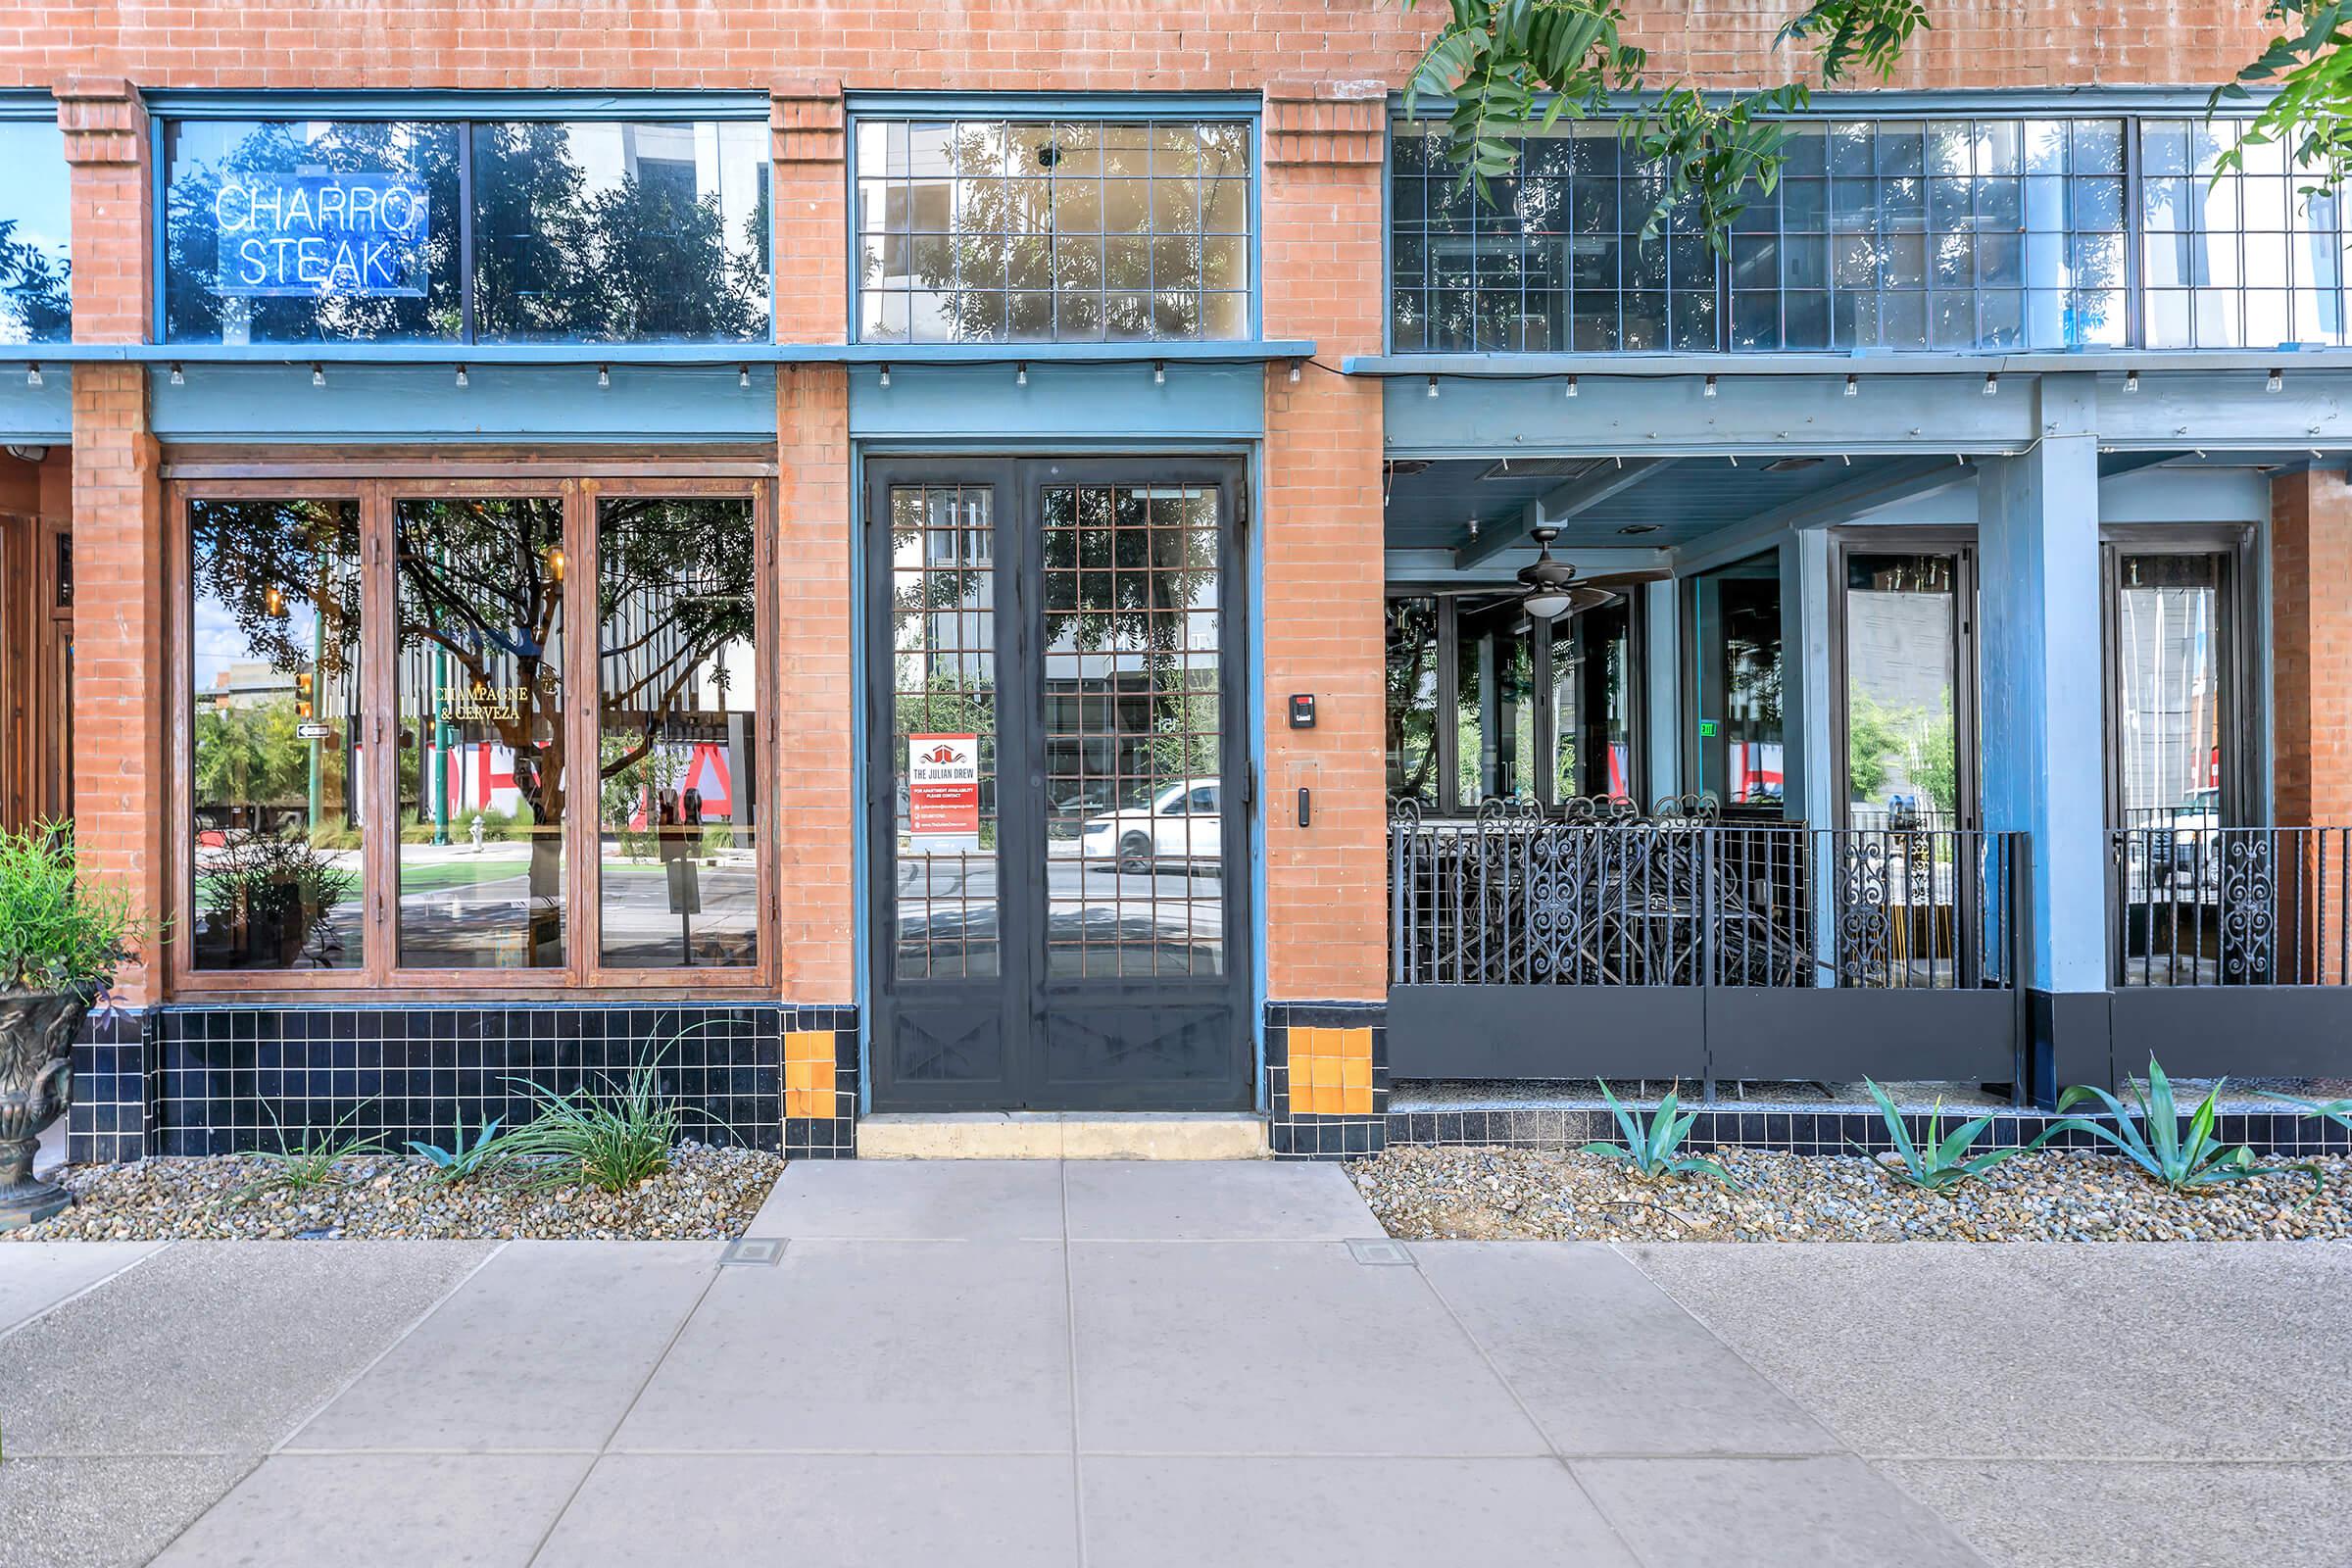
[1992, 384]
[1708, 390]
[1853, 386]
[178, 377]
[1159, 373]
[318, 376]
[461, 378]
[886, 376]
[1020, 376]
[2131, 380]
[1433, 386]
[604, 376]
[2275, 381]
[1572, 386]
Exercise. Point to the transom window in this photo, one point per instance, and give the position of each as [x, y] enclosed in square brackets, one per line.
[36, 303]
[996, 230]
[1927, 234]
[301, 230]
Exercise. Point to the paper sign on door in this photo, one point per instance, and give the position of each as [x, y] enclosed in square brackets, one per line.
[943, 785]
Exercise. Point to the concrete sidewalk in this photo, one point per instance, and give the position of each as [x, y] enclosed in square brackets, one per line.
[1130, 1364]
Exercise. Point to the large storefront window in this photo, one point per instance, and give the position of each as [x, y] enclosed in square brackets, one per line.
[289, 231]
[274, 734]
[484, 742]
[988, 230]
[1903, 706]
[1959, 234]
[389, 723]
[36, 303]
[677, 732]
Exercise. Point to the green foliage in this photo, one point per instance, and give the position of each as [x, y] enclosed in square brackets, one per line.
[717, 839]
[251, 756]
[2187, 1162]
[612, 1141]
[2311, 115]
[310, 1162]
[1944, 1162]
[57, 932]
[463, 1159]
[1873, 31]
[35, 288]
[1510, 64]
[1651, 1150]
[1934, 762]
[278, 887]
[2338, 1111]
[1874, 738]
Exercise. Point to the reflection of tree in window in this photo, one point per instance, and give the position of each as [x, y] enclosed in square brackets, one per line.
[631, 249]
[202, 155]
[480, 605]
[1412, 699]
[273, 736]
[995, 230]
[36, 304]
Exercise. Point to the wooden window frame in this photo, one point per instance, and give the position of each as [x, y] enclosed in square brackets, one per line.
[378, 483]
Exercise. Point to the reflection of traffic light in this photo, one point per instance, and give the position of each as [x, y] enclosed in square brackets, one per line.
[302, 710]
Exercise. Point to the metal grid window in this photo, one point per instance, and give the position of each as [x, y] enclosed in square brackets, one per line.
[2246, 261]
[1959, 234]
[1551, 261]
[993, 230]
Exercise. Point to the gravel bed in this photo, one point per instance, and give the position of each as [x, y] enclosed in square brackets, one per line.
[1426, 1193]
[707, 1194]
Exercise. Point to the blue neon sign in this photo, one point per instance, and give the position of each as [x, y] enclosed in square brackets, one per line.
[322, 236]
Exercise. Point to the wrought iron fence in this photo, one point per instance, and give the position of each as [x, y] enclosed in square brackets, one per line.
[2197, 904]
[1683, 900]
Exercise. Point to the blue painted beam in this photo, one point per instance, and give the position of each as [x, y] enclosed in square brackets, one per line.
[537, 404]
[1868, 364]
[1092, 405]
[37, 414]
[1237, 352]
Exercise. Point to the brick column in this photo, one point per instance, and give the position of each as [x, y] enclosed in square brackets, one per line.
[2311, 642]
[815, 819]
[2311, 679]
[118, 691]
[1322, 522]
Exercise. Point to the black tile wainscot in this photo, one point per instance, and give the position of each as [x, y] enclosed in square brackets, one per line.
[229, 1078]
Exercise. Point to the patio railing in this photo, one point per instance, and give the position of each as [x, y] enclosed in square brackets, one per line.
[1676, 944]
[1679, 902]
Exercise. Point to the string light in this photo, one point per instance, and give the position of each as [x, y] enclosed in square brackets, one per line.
[1572, 386]
[1992, 384]
[743, 378]
[1433, 386]
[32, 375]
[603, 376]
[1159, 373]
[1294, 372]
[2275, 383]
[1853, 386]
[178, 378]
[1020, 376]
[318, 376]
[2131, 380]
[886, 377]
[461, 376]
[1709, 389]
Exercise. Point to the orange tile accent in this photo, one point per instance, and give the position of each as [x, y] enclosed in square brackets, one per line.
[1330, 1072]
[809, 1072]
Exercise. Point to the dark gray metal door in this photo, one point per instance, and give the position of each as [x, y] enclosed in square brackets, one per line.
[1058, 784]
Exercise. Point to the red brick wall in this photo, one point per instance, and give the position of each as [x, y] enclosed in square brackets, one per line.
[2311, 632]
[1001, 45]
[815, 815]
[1322, 519]
[118, 684]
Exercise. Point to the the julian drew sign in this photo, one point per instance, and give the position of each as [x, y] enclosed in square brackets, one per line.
[321, 235]
[943, 785]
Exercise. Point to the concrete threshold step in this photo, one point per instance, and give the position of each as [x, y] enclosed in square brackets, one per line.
[1063, 1135]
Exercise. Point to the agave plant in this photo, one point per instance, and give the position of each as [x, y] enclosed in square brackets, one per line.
[1944, 1162]
[2190, 1161]
[1650, 1150]
[463, 1159]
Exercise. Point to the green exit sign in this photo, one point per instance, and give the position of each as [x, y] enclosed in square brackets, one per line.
[1706, 729]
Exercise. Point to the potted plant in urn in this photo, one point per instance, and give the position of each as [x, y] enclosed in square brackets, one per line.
[60, 941]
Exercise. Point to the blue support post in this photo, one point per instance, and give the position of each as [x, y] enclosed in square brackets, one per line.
[2044, 763]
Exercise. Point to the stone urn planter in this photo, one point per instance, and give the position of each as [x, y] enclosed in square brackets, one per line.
[36, 1084]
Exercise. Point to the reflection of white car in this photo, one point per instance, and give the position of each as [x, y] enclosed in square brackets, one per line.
[1185, 822]
[2196, 837]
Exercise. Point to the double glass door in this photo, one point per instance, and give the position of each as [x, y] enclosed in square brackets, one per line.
[1057, 785]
